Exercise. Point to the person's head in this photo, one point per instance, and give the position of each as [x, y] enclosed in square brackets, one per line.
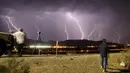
[21, 29]
[104, 40]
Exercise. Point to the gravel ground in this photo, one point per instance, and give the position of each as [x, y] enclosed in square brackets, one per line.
[71, 63]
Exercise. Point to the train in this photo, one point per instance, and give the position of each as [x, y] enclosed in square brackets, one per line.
[74, 46]
[66, 46]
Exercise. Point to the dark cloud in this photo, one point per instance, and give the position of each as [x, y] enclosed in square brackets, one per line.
[110, 16]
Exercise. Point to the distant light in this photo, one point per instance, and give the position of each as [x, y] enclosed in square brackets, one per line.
[40, 46]
[122, 64]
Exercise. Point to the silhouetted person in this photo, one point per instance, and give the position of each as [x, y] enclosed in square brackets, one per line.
[104, 54]
[20, 37]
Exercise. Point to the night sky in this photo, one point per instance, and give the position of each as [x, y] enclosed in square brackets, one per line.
[98, 19]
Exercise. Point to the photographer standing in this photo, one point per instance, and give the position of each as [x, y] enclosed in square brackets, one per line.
[104, 54]
[20, 38]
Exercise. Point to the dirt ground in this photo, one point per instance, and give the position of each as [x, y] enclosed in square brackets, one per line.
[71, 63]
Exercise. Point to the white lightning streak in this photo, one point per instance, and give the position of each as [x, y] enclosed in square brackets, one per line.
[37, 17]
[7, 21]
[118, 39]
[82, 33]
[11, 23]
[100, 34]
[36, 25]
[8, 24]
[67, 35]
[91, 33]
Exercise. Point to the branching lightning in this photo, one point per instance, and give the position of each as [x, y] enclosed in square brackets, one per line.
[37, 17]
[82, 33]
[67, 35]
[36, 26]
[38, 30]
[91, 33]
[9, 19]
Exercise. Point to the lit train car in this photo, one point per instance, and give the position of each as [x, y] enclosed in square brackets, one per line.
[83, 46]
[74, 46]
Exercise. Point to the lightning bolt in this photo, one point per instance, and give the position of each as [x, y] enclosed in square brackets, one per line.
[91, 32]
[38, 30]
[100, 34]
[82, 33]
[8, 24]
[118, 39]
[67, 35]
[9, 19]
[37, 17]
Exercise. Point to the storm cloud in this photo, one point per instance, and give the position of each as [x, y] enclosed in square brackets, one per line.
[110, 17]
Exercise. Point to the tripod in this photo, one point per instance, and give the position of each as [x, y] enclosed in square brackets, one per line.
[39, 41]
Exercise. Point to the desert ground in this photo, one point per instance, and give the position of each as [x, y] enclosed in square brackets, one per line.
[67, 63]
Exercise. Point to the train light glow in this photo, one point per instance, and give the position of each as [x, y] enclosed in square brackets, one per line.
[39, 46]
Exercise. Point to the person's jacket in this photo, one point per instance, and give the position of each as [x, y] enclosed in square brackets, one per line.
[103, 48]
